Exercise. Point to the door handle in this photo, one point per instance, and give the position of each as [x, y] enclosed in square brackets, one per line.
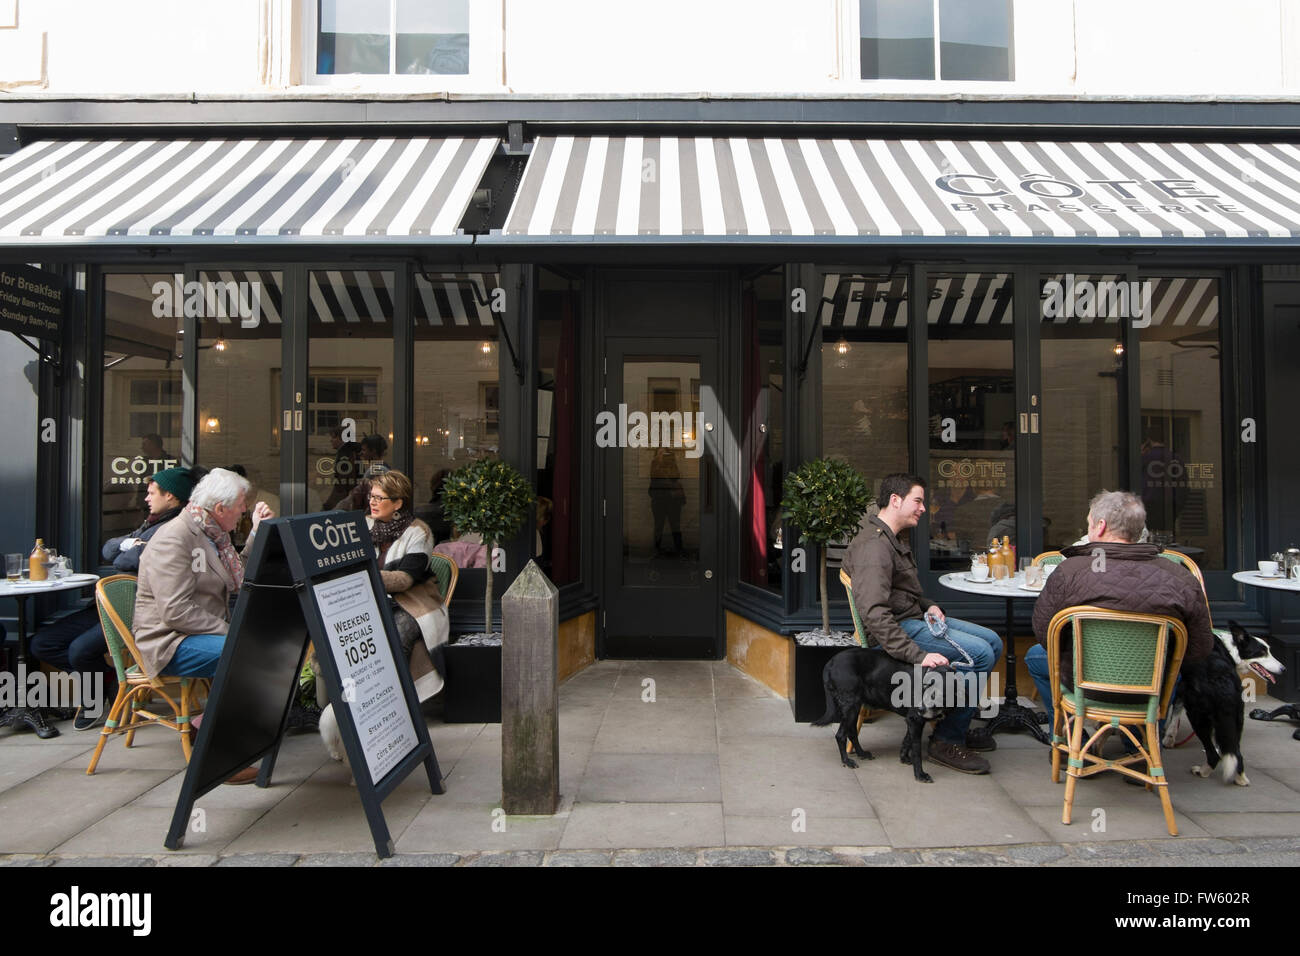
[288, 420]
[1033, 423]
[297, 420]
[1024, 423]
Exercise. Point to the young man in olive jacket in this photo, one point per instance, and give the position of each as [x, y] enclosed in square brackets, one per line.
[887, 594]
[1112, 570]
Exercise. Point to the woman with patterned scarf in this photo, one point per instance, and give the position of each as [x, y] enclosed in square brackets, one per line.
[188, 575]
[404, 545]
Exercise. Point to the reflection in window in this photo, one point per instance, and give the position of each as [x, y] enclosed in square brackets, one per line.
[1181, 441]
[141, 423]
[864, 381]
[361, 36]
[558, 539]
[762, 454]
[975, 40]
[457, 397]
[972, 459]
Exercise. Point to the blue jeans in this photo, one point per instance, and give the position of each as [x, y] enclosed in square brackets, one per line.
[196, 656]
[983, 646]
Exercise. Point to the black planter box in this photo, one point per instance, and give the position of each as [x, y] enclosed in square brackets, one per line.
[809, 700]
[473, 688]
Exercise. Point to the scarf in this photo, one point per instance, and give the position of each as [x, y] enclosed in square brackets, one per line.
[225, 550]
[154, 519]
[384, 533]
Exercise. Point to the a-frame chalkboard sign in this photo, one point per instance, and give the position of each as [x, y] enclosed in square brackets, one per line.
[311, 577]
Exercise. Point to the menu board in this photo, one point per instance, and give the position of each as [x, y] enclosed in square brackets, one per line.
[367, 671]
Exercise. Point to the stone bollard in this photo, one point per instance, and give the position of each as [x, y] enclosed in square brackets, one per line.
[530, 715]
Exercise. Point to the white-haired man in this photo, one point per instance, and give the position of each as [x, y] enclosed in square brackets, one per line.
[187, 576]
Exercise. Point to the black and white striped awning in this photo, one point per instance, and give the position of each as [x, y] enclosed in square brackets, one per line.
[866, 303]
[678, 187]
[249, 189]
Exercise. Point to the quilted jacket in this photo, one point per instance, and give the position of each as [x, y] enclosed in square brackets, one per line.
[1133, 577]
[886, 589]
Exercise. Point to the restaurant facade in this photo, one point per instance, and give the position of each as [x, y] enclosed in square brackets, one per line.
[657, 309]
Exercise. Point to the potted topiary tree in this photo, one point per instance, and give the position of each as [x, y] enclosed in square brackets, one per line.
[490, 498]
[825, 500]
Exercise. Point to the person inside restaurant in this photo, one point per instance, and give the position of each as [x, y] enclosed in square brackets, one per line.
[75, 643]
[1132, 577]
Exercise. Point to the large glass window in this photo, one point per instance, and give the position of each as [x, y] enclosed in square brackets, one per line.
[457, 390]
[1083, 418]
[864, 381]
[898, 39]
[559, 539]
[392, 37]
[763, 450]
[141, 421]
[972, 455]
[1181, 440]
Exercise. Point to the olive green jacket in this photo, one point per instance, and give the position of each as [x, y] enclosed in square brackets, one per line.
[886, 589]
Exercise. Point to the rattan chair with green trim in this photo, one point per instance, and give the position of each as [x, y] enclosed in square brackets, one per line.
[445, 570]
[1133, 655]
[137, 692]
[1049, 558]
[1179, 558]
[859, 631]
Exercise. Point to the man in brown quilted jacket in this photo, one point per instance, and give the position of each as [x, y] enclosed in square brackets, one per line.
[1113, 571]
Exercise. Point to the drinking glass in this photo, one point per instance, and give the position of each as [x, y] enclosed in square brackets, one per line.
[999, 573]
[13, 567]
[1034, 576]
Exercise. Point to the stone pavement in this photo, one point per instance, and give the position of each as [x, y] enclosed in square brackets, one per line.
[712, 772]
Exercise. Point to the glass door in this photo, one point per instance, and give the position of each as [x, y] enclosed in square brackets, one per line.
[658, 441]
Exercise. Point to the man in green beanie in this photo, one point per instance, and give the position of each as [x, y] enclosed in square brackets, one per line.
[75, 643]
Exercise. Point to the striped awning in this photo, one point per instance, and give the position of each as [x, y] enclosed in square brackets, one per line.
[875, 189]
[249, 189]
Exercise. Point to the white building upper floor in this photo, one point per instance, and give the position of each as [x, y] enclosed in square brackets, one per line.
[1086, 49]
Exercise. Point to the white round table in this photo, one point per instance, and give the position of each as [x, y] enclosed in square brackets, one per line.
[1012, 713]
[1255, 580]
[20, 591]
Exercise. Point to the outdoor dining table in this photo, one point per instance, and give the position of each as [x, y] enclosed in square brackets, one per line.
[1012, 713]
[1280, 583]
[21, 591]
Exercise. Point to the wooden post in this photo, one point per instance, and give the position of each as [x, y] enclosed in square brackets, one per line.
[530, 716]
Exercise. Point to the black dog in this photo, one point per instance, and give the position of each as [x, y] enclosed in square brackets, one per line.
[858, 678]
[1211, 694]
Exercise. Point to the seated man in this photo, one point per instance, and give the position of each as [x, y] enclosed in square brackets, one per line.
[1132, 577]
[187, 577]
[887, 594]
[75, 643]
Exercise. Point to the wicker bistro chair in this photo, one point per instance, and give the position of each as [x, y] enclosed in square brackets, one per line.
[136, 690]
[1115, 652]
[1049, 558]
[445, 570]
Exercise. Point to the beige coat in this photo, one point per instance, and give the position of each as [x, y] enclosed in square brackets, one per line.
[173, 600]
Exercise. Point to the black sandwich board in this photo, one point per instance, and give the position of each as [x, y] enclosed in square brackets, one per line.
[311, 577]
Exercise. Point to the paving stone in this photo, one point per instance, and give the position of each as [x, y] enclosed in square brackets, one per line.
[105, 861]
[654, 858]
[338, 859]
[511, 858]
[1036, 853]
[259, 859]
[891, 858]
[187, 859]
[1256, 844]
[422, 859]
[579, 859]
[1112, 851]
[1198, 846]
[810, 856]
[739, 858]
[26, 861]
[971, 857]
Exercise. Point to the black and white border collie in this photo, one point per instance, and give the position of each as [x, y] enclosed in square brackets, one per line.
[1211, 696]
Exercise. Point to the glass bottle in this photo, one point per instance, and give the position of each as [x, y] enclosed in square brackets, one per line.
[36, 563]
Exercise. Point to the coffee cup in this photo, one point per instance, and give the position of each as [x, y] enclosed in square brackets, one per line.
[1268, 569]
[979, 572]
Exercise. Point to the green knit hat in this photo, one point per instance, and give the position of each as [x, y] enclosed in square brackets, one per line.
[178, 481]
